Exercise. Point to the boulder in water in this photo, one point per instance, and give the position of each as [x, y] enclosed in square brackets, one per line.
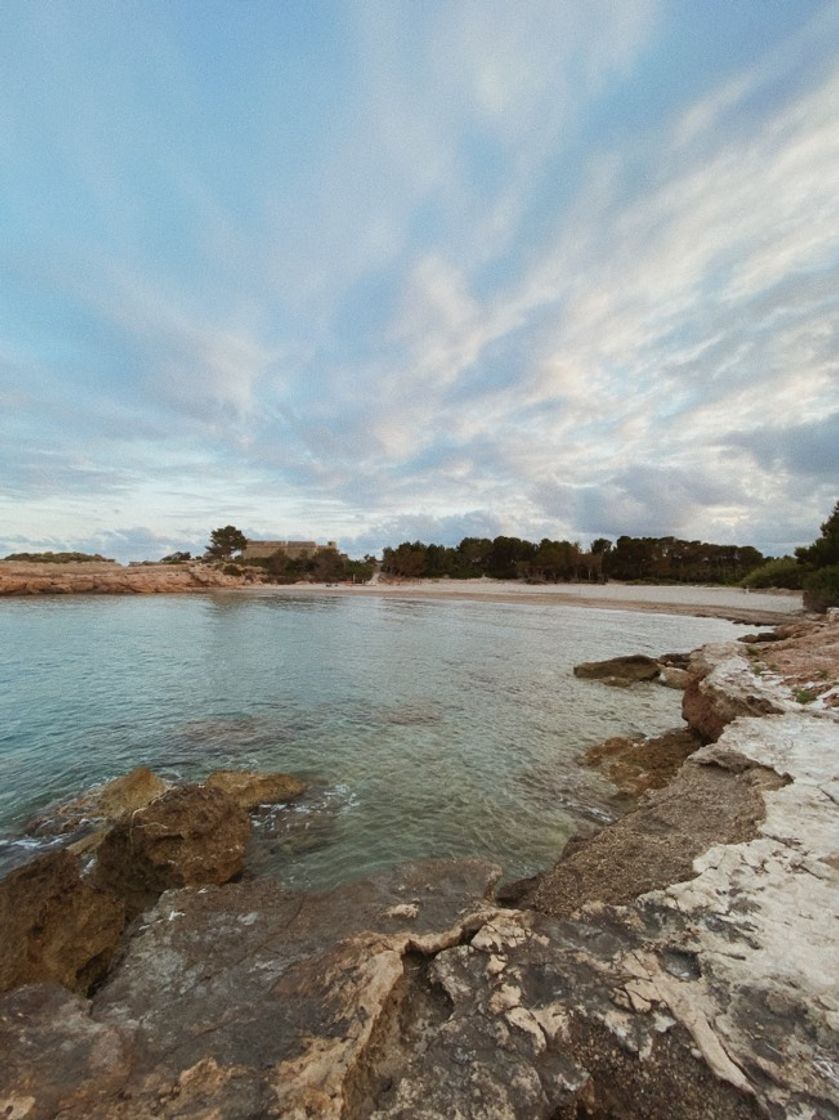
[191, 836]
[620, 671]
[250, 788]
[108, 802]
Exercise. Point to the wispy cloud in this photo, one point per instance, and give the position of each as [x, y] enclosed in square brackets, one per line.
[479, 264]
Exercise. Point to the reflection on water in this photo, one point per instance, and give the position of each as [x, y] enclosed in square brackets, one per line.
[424, 728]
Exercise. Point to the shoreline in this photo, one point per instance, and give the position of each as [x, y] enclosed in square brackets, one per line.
[700, 601]
[679, 961]
[20, 580]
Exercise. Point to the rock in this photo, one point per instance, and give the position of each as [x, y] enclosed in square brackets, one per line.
[636, 765]
[54, 1054]
[54, 926]
[655, 845]
[190, 836]
[108, 578]
[619, 670]
[727, 690]
[672, 677]
[762, 636]
[245, 1001]
[108, 802]
[250, 789]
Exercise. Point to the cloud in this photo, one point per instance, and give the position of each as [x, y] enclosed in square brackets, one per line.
[804, 450]
[497, 273]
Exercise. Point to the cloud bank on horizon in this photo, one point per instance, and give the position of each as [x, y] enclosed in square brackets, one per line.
[375, 271]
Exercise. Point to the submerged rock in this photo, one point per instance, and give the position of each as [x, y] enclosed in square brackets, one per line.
[189, 836]
[54, 926]
[639, 764]
[250, 789]
[620, 671]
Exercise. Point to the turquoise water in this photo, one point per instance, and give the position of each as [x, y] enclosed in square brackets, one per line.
[424, 728]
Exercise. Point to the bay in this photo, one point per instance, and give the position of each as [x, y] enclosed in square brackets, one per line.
[424, 728]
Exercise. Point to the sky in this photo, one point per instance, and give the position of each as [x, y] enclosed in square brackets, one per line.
[375, 271]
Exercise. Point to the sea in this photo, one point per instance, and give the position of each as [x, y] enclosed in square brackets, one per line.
[424, 728]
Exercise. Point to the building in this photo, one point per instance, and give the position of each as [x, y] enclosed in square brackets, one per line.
[294, 550]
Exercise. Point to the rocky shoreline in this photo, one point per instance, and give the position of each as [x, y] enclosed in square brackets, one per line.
[109, 578]
[27, 578]
[681, 963]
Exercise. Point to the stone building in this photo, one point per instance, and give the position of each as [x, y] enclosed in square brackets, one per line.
[295, 550]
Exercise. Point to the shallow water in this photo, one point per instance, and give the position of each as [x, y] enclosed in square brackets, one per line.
[424, 728]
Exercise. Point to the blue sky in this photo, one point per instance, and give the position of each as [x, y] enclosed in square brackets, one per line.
[380, 270]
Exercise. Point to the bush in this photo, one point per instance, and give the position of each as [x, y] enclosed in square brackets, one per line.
[783, 572]
[59, 557]
[821, 589]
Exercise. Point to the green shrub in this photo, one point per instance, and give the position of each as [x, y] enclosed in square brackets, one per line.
[821, 589]
[59, 557]
[783, 572]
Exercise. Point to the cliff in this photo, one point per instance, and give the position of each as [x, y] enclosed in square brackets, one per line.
[682, 964]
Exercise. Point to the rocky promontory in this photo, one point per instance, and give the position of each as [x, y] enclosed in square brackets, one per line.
[109, 578]
[681, 964]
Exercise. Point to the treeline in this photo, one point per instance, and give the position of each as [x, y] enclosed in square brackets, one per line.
[815, 568]
[326, 566]
[659, 559]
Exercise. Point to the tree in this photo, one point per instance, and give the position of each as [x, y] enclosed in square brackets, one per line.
[824, 551]
[224, 542]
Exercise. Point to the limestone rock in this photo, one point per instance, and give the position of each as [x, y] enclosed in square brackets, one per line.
[107, 578]
[250, 789]
[189, 836]
[54, 926]
[248, 1001]
[671, 677]
[56, 1056]
[619, 670]
[109, 802]
[724, 687]
[655, 845]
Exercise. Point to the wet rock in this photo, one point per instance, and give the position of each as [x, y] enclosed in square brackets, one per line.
[672, 677]
[639, 764]
[54, 926]
[619, 671]
[250, 789]
[655, 845]
[109, 802]
[189, 836]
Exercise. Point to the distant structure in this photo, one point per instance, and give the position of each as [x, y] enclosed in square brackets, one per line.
[294, 550]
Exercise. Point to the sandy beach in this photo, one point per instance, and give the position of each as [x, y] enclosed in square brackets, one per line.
[753, 607]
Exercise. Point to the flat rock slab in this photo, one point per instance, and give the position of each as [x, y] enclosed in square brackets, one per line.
[620, 671]
[243, 1000]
